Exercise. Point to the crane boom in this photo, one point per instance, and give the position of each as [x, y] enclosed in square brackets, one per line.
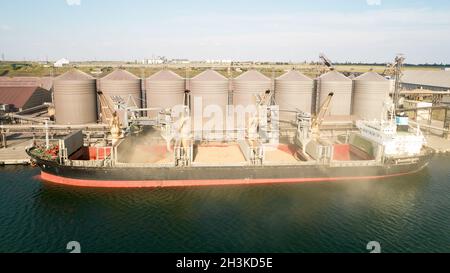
[110, 116]
[318, 120]
[106, 107]
[326, 61]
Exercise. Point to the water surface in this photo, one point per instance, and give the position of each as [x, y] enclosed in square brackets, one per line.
[405, 214]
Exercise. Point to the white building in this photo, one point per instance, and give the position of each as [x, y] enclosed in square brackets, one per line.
[62, 62]
[218, 61]
[152, 61]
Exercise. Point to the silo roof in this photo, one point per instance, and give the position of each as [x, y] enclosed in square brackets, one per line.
[120, 75]
[210, 75]
[252, 75]
[334, 76]
[164, 75]
[293, 75]
[75, 75]
[371, 76]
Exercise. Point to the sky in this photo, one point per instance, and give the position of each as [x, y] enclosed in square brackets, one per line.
[258, 30]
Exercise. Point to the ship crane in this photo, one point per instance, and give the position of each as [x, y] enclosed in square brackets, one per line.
[309, 127]
[261, 117]
[178, 130]
[110, 116]
[262, 127]
[319, 118]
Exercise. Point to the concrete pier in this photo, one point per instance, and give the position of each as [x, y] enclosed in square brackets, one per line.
[14, 153]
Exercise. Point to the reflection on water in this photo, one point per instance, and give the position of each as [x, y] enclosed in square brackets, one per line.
[410, 214]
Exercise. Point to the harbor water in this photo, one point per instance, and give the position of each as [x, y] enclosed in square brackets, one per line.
[404, 214]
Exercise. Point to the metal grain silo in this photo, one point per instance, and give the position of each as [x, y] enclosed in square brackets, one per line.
[209, 100]
[249, 84]
[165, 89]
[341, 86]
[212, 88]
[121, 85]
[293, 91]
[369, 94]
[75, 98]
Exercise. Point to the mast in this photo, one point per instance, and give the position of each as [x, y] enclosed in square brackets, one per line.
[398, 66]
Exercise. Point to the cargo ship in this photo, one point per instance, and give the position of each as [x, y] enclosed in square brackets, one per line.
[170, 153]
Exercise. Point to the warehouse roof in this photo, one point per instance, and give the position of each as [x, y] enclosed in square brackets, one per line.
[44, 82]
[16, 96]
[19, 81]
[429, 78]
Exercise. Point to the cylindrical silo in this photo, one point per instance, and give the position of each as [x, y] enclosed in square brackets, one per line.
[122, 87]
[293, 92]
[209, 96]
[75, 98]
[165, 89]
[248, 85]
[341, 86]
[369, 94]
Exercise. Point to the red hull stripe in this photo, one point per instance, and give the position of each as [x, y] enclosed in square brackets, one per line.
[191, 183]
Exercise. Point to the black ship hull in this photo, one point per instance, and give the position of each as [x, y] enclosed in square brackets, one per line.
[135, 177]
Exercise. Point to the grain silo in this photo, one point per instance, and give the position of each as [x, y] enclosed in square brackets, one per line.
[122, 87]
[370, 92]
[341, 86]
[75, 98]
[293, 91]
[165, 89]
[248, 85]
[212, 88]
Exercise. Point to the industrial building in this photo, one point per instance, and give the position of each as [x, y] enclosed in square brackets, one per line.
[76, 92]
[16, 98]
[43, 82]
[61, 62]
[432, 80]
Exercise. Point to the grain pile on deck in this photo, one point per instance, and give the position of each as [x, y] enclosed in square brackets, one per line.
[219, 154]
[276, 155]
